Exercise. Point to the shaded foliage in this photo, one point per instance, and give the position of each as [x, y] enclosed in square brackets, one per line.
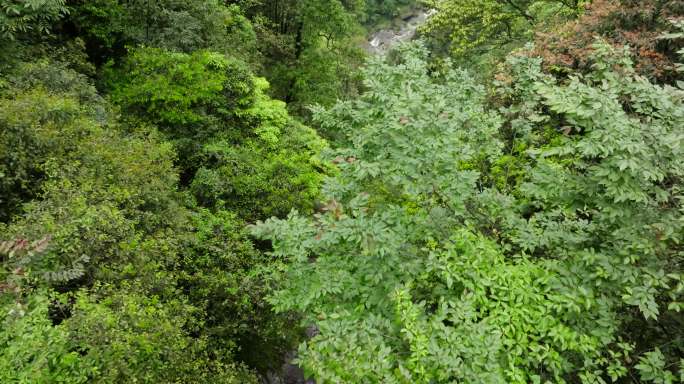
[310, 48]
[120, 229]
[108, 26]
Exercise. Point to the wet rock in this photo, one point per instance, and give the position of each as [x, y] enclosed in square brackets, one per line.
[289, 372]
[384, 40]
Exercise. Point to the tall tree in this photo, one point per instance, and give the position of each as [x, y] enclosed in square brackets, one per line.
[108, 26]
[309, 48]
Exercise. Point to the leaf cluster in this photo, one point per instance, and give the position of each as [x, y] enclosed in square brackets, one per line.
[434, 270]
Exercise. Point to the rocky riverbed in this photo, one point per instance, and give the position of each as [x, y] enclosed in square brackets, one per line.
[384, 40]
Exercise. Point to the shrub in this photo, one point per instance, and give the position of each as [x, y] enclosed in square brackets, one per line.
[634, 23]
[434, 274]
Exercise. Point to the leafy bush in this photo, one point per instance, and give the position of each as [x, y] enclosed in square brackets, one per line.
[238, 148]
[32, 350]
[184, 94]
[434, 274]
[259, 181]
[126, 336]
[568, 47]
[470, 29]
[23, 16]
[118, 230]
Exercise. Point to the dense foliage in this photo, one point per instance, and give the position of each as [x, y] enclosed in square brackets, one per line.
[108, 26]
[140, 192]
[238, 148]
[639, 24]
[117, 228]
[309, 47]
[379, 10]
[498, 203]
[468, 27]
[21, 16]
[452, 270]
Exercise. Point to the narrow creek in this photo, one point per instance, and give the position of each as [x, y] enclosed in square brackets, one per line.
[378, 43]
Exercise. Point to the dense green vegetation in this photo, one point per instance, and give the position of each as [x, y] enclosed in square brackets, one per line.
[192, 190]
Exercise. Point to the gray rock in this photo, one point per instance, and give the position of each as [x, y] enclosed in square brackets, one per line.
[384, 40]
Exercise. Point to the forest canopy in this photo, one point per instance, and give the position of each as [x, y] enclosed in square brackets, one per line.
[245, 192]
